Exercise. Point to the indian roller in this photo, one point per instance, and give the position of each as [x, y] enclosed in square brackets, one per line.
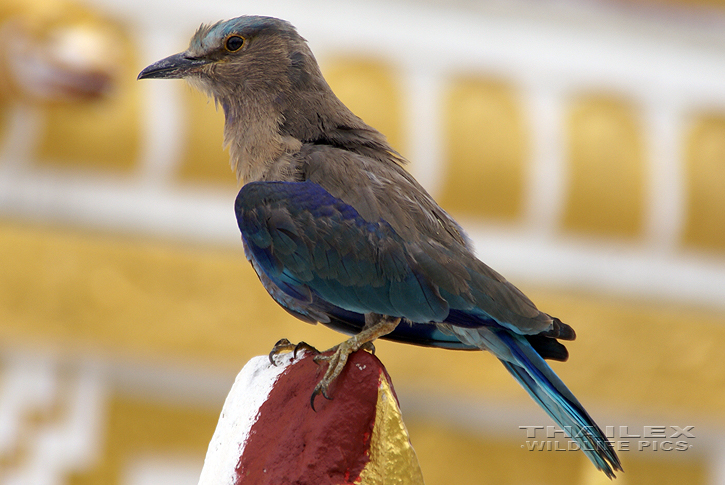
[340, 233]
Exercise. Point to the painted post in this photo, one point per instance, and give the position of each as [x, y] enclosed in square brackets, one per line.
[268, 433]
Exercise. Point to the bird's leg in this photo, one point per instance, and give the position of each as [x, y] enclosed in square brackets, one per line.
[284, 345]
[375, 326]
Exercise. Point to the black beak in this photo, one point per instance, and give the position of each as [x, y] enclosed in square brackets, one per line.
[173, 67]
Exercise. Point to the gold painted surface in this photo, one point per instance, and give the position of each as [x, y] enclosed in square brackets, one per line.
[370, 89]
[605, 191]
[705, 169]
[485, 150]
[204, 160]
[392, 458]
[83, 292]
[136, 429]
[101, 134]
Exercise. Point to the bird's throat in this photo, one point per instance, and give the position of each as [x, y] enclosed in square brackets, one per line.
[256, 146]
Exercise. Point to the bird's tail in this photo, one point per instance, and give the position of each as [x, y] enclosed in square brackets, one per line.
[545, 387]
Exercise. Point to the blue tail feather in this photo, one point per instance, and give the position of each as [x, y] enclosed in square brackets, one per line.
[545, 387]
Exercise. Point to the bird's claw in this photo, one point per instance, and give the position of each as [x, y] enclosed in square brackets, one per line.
[283, 346]
[320, 388]
[336, 363]
[337, 355]
[375, 326]
[369, 346]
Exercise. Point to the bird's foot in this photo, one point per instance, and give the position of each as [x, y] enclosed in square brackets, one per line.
[283, 346]
[340, 353]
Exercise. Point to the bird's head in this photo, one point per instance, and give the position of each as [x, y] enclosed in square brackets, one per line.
[261, 71]
[259, 55]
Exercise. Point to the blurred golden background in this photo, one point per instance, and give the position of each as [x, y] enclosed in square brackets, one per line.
[581, 144]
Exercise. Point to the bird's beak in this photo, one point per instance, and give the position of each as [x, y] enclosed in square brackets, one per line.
[173, 67]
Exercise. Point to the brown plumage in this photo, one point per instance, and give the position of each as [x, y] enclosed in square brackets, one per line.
[339, 233]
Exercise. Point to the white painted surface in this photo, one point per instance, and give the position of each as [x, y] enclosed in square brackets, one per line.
[250, 390]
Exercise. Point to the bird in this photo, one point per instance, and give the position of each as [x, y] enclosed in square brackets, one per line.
[339, 233]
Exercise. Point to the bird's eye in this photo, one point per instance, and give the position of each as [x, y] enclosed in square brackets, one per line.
[234, 43]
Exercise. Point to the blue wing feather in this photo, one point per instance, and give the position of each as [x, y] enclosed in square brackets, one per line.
[307, 242]
[298, 231]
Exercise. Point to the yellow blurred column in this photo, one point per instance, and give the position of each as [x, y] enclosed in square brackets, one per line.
[606, 164]
[705, 182]
[485, 150]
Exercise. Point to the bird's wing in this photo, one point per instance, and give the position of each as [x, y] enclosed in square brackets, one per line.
[314, 246]
[304, 239]
[433, 243]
